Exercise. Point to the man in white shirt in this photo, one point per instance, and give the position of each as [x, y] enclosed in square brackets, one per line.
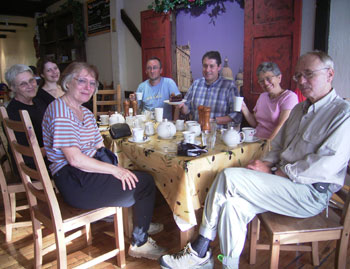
[307, 163]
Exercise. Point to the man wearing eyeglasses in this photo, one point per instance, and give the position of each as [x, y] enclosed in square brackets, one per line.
[306, 165]
[156, 89]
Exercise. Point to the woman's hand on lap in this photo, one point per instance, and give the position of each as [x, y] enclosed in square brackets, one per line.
[126, 177]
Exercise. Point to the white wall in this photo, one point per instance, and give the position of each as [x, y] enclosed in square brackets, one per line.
[339, 45]
[17, 47]
[126, 52]
[308, 26]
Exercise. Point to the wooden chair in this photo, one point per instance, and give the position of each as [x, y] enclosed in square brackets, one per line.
[288, 233]
[100, 101]
[10, 186]
[48, 209]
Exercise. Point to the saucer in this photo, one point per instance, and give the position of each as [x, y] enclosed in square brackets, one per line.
[255, 139]
[170, 138]
[138, 142]
[103, 128]
[174, 103]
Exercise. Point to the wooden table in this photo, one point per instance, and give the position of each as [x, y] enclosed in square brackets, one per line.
[183, 181]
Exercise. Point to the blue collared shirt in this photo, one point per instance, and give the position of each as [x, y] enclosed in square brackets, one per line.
[218, 96]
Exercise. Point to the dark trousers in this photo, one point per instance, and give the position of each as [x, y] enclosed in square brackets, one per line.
[93, 190]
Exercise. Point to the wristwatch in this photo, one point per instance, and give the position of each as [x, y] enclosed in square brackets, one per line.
[273, 170]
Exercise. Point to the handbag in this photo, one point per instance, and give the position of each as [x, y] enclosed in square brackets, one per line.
[119, 130]
[105, 155]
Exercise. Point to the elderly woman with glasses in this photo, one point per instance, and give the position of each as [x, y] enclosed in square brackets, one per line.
[22, 83]
[85, 172]
[273, 106]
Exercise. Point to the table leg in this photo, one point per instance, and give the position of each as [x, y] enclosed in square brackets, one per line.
[186, 237]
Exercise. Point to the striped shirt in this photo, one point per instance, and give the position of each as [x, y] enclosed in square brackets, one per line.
[218, 96]
[61, 128]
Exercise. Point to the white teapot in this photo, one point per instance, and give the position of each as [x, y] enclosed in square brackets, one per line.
[116, 118]
[166, 129]
[231, 137]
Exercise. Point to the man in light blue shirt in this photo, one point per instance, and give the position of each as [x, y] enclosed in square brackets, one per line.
[156, 89]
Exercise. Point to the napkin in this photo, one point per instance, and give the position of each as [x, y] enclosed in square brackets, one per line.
[191, 150]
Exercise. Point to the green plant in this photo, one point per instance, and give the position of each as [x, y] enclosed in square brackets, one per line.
[77, 11]
[167, 5]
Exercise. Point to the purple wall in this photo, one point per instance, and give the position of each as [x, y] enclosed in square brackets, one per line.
[220, 26]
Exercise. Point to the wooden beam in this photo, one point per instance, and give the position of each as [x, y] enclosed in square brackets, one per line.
[14, 24]
[131, 26]
[8, 30]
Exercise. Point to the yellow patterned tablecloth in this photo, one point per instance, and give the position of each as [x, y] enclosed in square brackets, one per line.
[183, 181]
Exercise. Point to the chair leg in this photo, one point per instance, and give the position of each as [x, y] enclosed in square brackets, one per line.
[315, 256]
[341, 251]
[13, 207]
[61, 249]
[119, 236]
[8, 216]
[38, 244]
[253, 240]
[88, 234]
[275, 253]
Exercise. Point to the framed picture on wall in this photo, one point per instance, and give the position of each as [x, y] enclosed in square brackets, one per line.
[98, 17]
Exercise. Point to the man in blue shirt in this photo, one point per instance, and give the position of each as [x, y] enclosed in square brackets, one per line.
[156, 89]
[212, 91]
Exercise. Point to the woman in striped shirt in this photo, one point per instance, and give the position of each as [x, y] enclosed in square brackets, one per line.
[87, 174]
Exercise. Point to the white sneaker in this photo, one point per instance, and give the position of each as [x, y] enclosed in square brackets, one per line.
[155, 228]
[149, 250]
[187, 258]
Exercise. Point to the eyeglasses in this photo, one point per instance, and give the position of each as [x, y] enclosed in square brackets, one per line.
[83, 82]
[150, 68]
[308, 74]
[268, 79]
[27, 84]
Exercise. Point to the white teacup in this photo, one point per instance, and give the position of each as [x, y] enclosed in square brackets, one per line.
[189, 137]
[158, 111]
[137, 134]
[237, 103]
[194, 127]
[149, 128]
[180, 125]
[189, 122]
[139, 96]
[104, 119]
[249, 133]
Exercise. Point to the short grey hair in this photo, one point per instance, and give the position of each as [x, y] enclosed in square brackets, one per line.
[324, 57]
[13, 71]
[268, 67]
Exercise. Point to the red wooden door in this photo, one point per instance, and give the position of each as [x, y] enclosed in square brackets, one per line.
[156, 40]
[272, 31]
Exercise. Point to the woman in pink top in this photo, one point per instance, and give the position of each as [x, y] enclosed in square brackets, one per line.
[273, 106]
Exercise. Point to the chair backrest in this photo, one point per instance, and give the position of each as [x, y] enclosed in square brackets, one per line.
[34, 194]
[345, 216]
[105, 100]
